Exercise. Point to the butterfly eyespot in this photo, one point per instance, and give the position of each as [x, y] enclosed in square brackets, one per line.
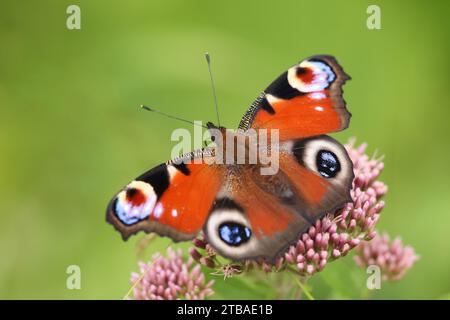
[327, 163]
[228, 230]
[311, 76]
[234, 234]
[135, 203]
[324, 156]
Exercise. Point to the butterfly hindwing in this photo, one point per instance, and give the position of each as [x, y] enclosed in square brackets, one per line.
[248, 222]
[257, 216]
[304, 101]
[320, 171]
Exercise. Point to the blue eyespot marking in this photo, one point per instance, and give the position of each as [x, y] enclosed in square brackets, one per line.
[129, 214]
[324, 68]
[327, 164]
[234, 234]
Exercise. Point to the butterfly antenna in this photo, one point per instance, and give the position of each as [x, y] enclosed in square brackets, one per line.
[172, 117]
[208, 60]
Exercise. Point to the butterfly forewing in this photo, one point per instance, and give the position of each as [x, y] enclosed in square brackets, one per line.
[171, 199]
[302, 102]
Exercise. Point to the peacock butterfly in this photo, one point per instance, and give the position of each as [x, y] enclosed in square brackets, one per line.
[243, 213]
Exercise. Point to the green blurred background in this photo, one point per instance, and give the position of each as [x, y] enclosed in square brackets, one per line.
[71, 132]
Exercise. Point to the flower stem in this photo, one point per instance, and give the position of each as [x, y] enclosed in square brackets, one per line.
[301, 284]
[139, 279]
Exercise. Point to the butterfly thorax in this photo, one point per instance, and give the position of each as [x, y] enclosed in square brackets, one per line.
[241, 148]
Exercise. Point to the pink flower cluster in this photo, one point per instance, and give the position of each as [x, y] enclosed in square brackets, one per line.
[169, 278]
[393, 258]
[332, 236]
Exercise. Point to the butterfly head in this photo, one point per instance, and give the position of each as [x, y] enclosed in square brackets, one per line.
[211, 125]
[213, 130]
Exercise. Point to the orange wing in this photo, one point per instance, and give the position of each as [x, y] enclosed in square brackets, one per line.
[257, 216]
[304, 101]
[320, 172]
[247, 221]
[171, 200]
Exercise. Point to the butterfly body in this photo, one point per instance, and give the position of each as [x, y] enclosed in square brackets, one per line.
[223, 190]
